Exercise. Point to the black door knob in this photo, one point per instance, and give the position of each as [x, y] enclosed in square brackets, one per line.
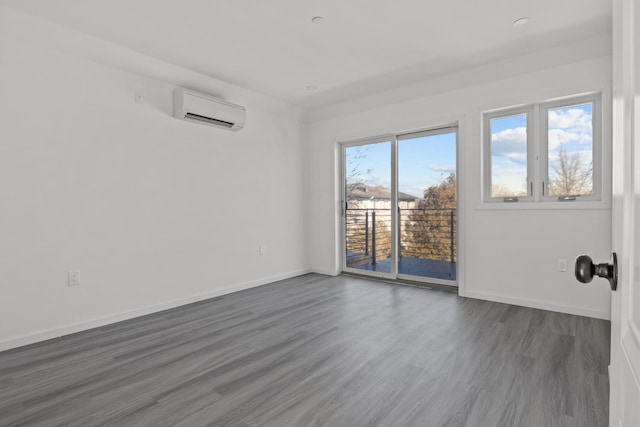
[586, 269]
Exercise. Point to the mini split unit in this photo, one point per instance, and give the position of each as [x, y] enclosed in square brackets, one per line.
[207, 110]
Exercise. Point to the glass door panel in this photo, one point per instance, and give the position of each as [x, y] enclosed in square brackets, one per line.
[427, 205]
[368, 204]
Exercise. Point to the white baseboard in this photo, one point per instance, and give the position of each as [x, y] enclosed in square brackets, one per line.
[543, 305]
[325, 272]
[106, 320]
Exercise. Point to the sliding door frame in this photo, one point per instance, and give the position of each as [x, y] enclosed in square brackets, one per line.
[440, 130]
[392, 275]
[395, 237]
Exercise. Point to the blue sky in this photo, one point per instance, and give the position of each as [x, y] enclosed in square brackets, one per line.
[509, 153]
[422, 162]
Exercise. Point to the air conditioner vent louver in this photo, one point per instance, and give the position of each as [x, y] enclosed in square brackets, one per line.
[208, 120]
[208, 110]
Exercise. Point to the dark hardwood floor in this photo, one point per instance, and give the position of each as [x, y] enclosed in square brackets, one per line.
[319, 351]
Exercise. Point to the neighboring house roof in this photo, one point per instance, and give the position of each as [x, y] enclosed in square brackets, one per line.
[361, 191]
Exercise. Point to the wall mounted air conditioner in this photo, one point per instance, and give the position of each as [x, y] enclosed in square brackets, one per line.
[207, 110]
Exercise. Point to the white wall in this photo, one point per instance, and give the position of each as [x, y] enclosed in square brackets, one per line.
[153, 211]
[507, 255]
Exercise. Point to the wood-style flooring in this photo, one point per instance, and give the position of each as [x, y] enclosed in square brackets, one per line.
[319, 351]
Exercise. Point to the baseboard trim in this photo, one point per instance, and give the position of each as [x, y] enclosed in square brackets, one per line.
[543, 305]
[325, 272]
[143, 311]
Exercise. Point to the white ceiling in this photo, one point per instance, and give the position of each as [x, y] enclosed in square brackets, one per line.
[362, 46]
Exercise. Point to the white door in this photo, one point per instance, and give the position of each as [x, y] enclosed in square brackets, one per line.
[625, 305]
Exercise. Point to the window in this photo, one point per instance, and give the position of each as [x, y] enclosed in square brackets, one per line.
[509, 145]
[543, 152]
[569, 150]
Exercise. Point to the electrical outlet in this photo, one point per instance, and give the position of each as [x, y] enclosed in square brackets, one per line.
[262, 249]
[562, 264]
[73, 278]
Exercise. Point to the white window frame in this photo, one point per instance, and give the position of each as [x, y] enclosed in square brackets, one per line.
[537, 150]
[488, 175]
[595, 99]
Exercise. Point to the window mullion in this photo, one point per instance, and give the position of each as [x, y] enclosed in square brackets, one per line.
[543, 127]
[535, 154]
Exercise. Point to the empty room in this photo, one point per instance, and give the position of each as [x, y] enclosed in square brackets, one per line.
[319, 213]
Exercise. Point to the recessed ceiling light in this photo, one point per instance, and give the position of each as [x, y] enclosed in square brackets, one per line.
[317, 20]
[521, 21]
[312, 87]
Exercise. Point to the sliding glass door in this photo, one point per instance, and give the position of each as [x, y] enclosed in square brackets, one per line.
[400, 217]
[427, 222]
[368, 207]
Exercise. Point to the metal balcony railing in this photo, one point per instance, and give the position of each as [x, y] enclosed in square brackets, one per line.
[424, 234]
